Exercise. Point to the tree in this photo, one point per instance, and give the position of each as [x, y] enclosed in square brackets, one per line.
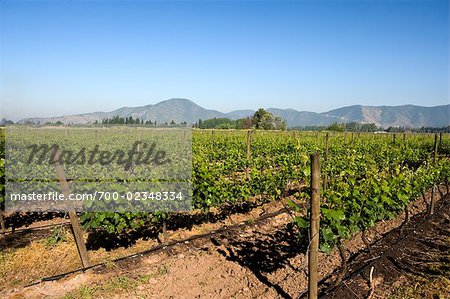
[353, 127]
[337, 127]
[264, 120]
[369, 127]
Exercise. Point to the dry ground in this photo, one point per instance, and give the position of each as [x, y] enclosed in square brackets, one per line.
[258, 260]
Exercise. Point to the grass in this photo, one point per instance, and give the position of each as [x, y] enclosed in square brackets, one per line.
[26, 260]
[115, 285]
[433, 288]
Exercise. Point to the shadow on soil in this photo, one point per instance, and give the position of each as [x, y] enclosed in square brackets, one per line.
[19, 220]
[110, 241]
[421, 254]
[100, 238]
[265, 253]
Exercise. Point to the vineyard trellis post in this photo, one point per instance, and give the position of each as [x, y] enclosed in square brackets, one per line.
[433, 193]
[76, 227]
[435, 148]
[249, 141]
[138, 140]
[325, 158]
[2, 219]
[314, 227]
[2, 225]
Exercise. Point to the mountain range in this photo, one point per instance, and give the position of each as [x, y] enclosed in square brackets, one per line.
[180, 110]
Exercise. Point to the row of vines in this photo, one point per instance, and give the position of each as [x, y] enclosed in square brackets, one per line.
[368, 177]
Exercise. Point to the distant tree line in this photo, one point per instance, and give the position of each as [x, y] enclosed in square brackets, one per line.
[353, 127]
[359, 127]
[420, 130]
[342, 127]
[5, 121]
[224, 123]
[117, 120]
[262, 120]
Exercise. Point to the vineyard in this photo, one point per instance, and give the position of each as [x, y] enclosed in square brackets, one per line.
[365, 179]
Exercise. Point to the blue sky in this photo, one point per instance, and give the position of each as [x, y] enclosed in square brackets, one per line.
[84, 56]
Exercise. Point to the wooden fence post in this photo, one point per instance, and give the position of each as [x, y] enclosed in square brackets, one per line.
[314, 227]
[2, 219]
[325, 158]
[138, 140]
[76, 227]
[247, 168]
[432, 204]
[2, 226]
[435, 148]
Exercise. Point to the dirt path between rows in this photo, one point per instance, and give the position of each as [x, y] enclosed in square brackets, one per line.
[260, 260]
[416, 257]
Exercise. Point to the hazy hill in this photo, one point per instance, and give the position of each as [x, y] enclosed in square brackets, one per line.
[303, 118]
[180, 110]
[385, 116]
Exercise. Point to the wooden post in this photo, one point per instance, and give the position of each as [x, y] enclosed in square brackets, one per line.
[212, 138]
[433, 195]
[325, 158]
[2, 226]
[76, 227]
[247, 169]
[139, 141]
[432, 204]
[440, 142]
[404, 137]
[394, 137]
[435, 152]
[314, 227]
[2, 219]
[164, 232]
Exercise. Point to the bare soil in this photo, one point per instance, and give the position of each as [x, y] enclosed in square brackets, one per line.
[412, 260]
[257, 260]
